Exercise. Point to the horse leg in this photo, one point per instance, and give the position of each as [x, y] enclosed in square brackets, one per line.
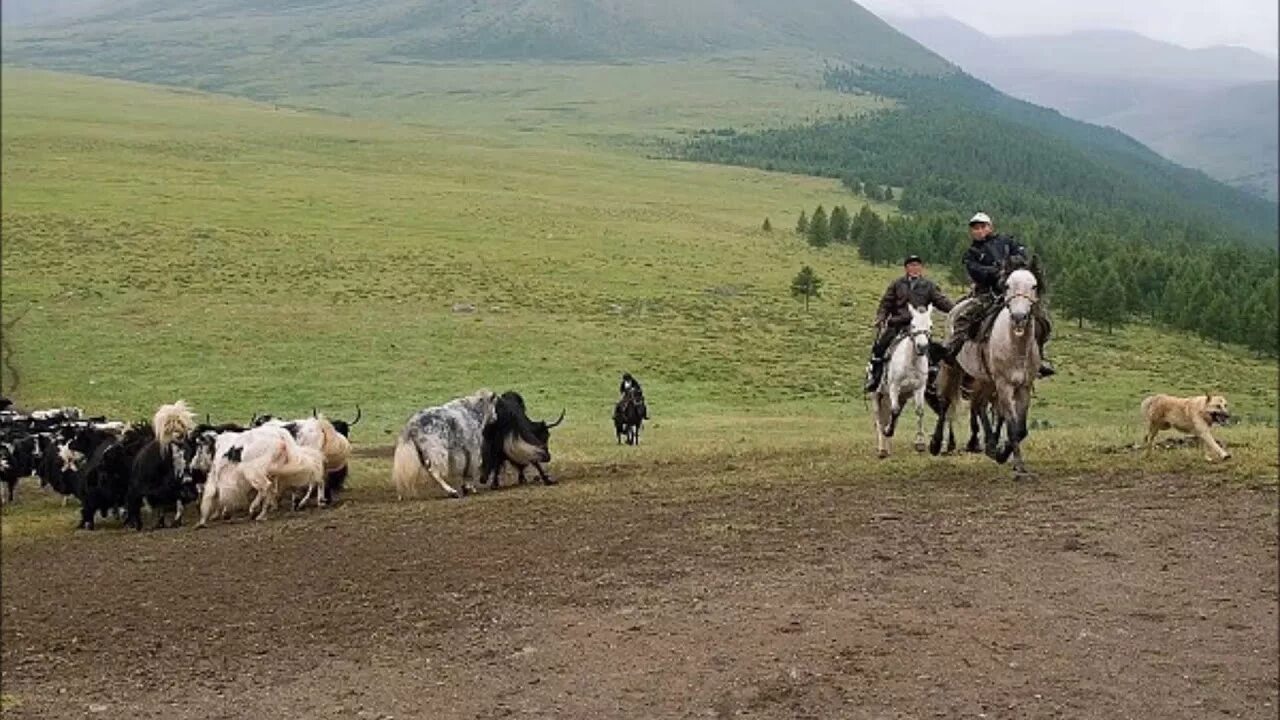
[1009, 409]
[974, 445]
[882, 440]
[991, 428]
[892, 393]
[945, 400]
[919, 400]
[998, 427]
[1018, 430]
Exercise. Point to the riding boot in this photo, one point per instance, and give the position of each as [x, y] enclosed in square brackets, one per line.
[874, 369]
[1043, 329]
[1046, 366]
[951, 348]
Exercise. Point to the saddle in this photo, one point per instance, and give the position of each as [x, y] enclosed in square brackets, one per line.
[981, 331]
[898, 336]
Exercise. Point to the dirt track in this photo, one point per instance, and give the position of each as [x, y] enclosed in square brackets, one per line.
[1155, 598]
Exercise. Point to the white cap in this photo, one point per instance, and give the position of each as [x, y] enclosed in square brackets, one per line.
[980, 218]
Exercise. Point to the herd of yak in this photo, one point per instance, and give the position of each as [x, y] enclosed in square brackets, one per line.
[117, 468]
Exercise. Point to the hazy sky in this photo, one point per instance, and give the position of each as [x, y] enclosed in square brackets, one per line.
[1191, 23]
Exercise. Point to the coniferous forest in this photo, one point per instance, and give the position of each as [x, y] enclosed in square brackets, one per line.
[1123, 234]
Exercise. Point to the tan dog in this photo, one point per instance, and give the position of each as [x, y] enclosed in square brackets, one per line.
[1193, 415]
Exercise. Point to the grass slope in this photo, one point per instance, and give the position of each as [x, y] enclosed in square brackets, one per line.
[252, 259]
[240, 43]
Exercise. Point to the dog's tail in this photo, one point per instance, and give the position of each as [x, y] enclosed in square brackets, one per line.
[1146, 405]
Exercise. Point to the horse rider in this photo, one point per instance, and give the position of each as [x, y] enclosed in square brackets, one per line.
[985, 262]
[893, 316]
[630, 385]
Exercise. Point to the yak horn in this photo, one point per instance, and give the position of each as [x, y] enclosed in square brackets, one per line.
[254, 421]
[314, 414]
[557, 422]
[358, 415]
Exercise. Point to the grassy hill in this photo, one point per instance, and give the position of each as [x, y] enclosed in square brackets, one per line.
[612, 70]
[1229, 132]
[248, 259]
[956, 143]
[202, 39]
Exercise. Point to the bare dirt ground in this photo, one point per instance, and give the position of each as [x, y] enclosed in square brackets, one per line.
[1142, 597]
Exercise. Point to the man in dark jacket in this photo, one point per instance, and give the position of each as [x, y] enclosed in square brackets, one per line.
[912, 289]
[984, 261]
[630, 385]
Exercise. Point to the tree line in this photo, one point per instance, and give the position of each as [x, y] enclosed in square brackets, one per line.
[1226, 293]
[1123, 234]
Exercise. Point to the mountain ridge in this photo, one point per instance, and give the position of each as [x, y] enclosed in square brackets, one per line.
[1219, 116]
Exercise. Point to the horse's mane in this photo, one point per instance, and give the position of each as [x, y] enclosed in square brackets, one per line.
[1033, 266]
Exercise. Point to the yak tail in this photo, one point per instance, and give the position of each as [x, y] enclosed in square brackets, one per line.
[1146, 405]
[336, 448]
[298, 466]
[173, 422]
[407, 469]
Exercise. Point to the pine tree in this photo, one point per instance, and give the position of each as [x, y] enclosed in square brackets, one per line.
[862, 224]
[873, 244]
[1071, 296]
[1269, 318]
[802, 225]
[888, 193]
[819, 229]
[1191, 299]
[767, 226]
[1107, 306]
[806, 285]
[839, 224]
[1215, 319]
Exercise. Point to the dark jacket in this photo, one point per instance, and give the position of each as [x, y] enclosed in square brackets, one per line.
[985, 260]
[905, 291]
[628, 383]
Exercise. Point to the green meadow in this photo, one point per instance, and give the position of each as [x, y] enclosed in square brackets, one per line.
[162, 244]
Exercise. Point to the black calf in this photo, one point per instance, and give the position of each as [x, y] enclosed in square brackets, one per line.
[513, 437]
[158, 478]
[101, 476]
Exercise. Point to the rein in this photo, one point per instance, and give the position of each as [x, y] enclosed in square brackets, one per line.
[1031, 297]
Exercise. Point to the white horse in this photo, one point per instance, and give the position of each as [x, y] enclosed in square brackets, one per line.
[1004, 369]
[907, 374]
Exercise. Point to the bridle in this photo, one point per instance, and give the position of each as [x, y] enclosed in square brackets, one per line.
[914, 333]
[1031, 297]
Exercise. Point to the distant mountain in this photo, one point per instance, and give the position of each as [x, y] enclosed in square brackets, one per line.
[145, 33]
[1212, 109]
[263, 48]
[1097, 54]
[34, 12]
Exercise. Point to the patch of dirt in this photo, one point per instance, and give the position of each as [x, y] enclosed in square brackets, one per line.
[1061, 598]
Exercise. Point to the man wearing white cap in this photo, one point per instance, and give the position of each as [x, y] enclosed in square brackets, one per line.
[984, 261]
